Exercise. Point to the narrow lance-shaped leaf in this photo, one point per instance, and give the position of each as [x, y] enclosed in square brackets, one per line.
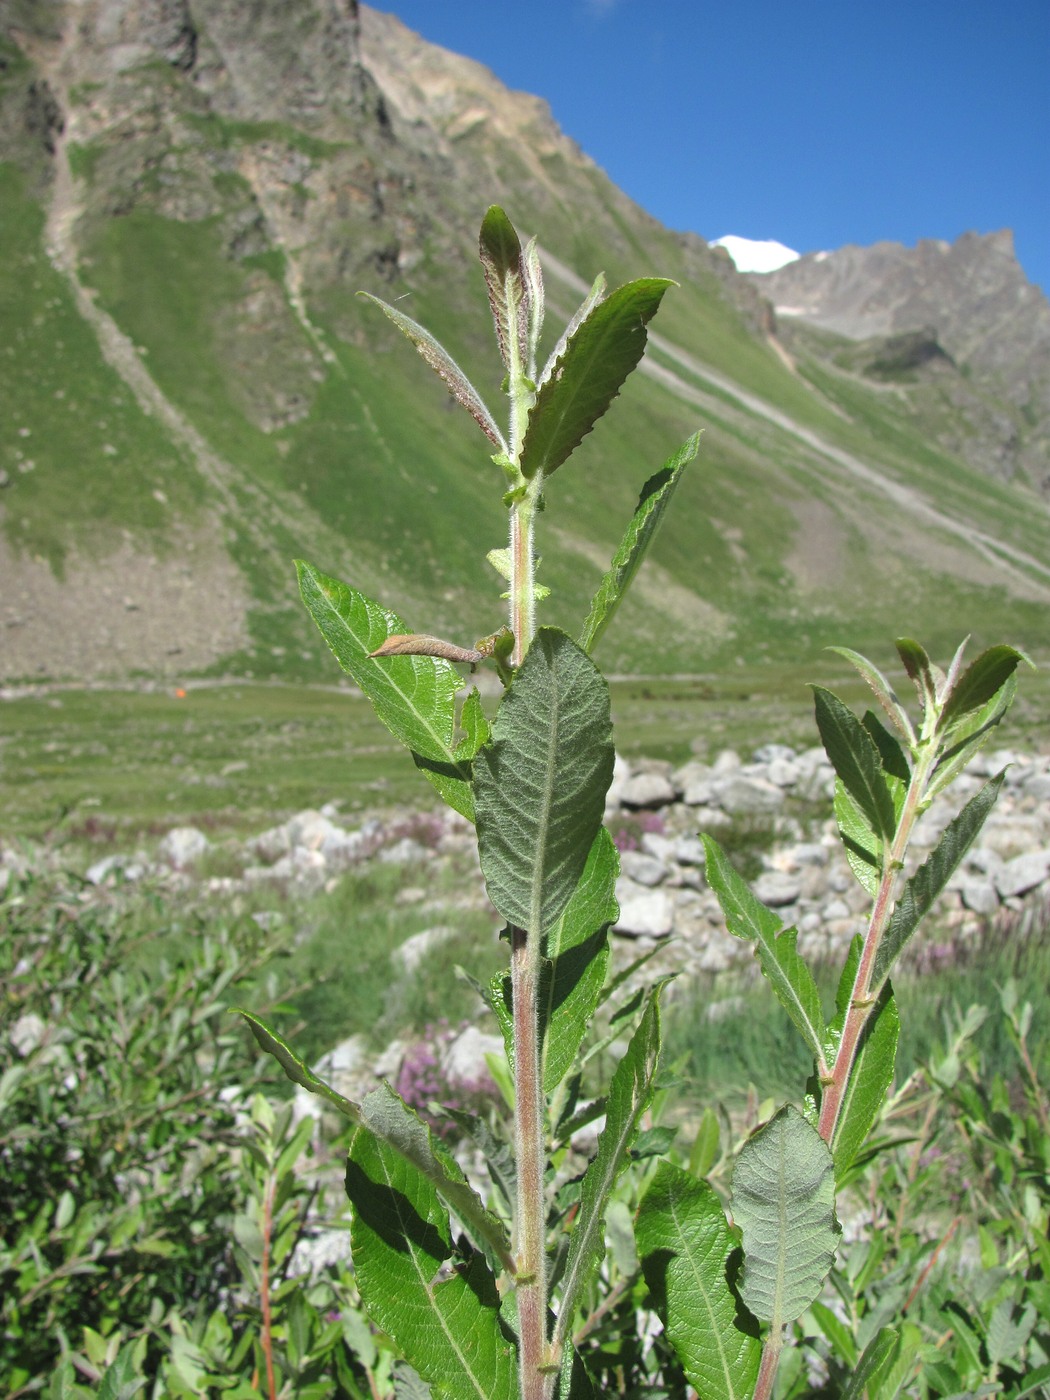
[442, 363]
[838, 1333]
[784, 1204]
[970, 735]
[474, 725]
[386, 1116]
[862, 847]
[587, 377]
[448, 1330]
[746, 917]
[884, 692]
[540, 785]
[920, 670]
[932, 876]
[630, 1094]
[590, 301]
[877, 1358]
[870, 1077]
[534, 300]
[655, 497]
[891, 755]
[505, 281]
[855, 759]
[397, 1127]
[685, 1244]
[414, 696]
[296, 1069]
[979, 683]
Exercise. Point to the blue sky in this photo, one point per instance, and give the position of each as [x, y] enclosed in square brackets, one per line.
[815, 122]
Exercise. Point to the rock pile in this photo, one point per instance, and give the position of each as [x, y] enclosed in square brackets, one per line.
[772, 811]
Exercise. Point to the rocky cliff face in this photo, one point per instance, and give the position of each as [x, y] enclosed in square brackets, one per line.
[971, 299]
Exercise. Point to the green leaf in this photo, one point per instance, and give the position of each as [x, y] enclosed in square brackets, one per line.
[577, 953]
[932, 876]
[442, 363]
[590, 301]
[504, 269]
[384, 1113]
[685, 1243]
[746, 917]
[474, 726]
[704, 1153]
[296, 1070]
[540, 785]
[979, 683]
[498, 1154]
[414, 696]
[448, 1331]
[862, 847]
[870, 1077]
[876, 1359]
[855, 759]
[630, 1094]
[884, 692]
[533, 300]
[121, 1381]
[394, 1125]
[588, 375]
[969, 735]
[1009, 1328]
[655, 497]
[920, 670]
[837, 1333]
[63, 1384]
[784, 1204]
[891, 755]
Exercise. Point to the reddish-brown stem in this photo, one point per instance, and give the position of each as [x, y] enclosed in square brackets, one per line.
[862, 1002]
[930, 1262]
[264, 1288]
[767, 1370]
[530, 1218]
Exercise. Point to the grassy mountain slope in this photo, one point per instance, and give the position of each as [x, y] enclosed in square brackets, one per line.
[204, 396]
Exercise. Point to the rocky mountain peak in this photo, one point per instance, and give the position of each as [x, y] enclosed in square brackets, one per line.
[971, 296]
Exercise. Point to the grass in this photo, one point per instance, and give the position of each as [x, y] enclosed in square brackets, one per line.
[106, 766]
[100, 767]
[730, 1032]
[75, 437]
[340, 980]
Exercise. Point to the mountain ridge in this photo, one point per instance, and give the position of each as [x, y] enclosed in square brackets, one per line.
[213, 207]
[970, 298]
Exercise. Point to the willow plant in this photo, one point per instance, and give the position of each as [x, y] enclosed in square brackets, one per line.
[490, 1309]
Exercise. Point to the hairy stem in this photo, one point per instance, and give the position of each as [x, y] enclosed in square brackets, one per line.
[530, 1216]
[767, 1370]
[522, 570]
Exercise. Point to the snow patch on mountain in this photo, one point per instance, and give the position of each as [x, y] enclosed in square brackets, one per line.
[756, 255]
